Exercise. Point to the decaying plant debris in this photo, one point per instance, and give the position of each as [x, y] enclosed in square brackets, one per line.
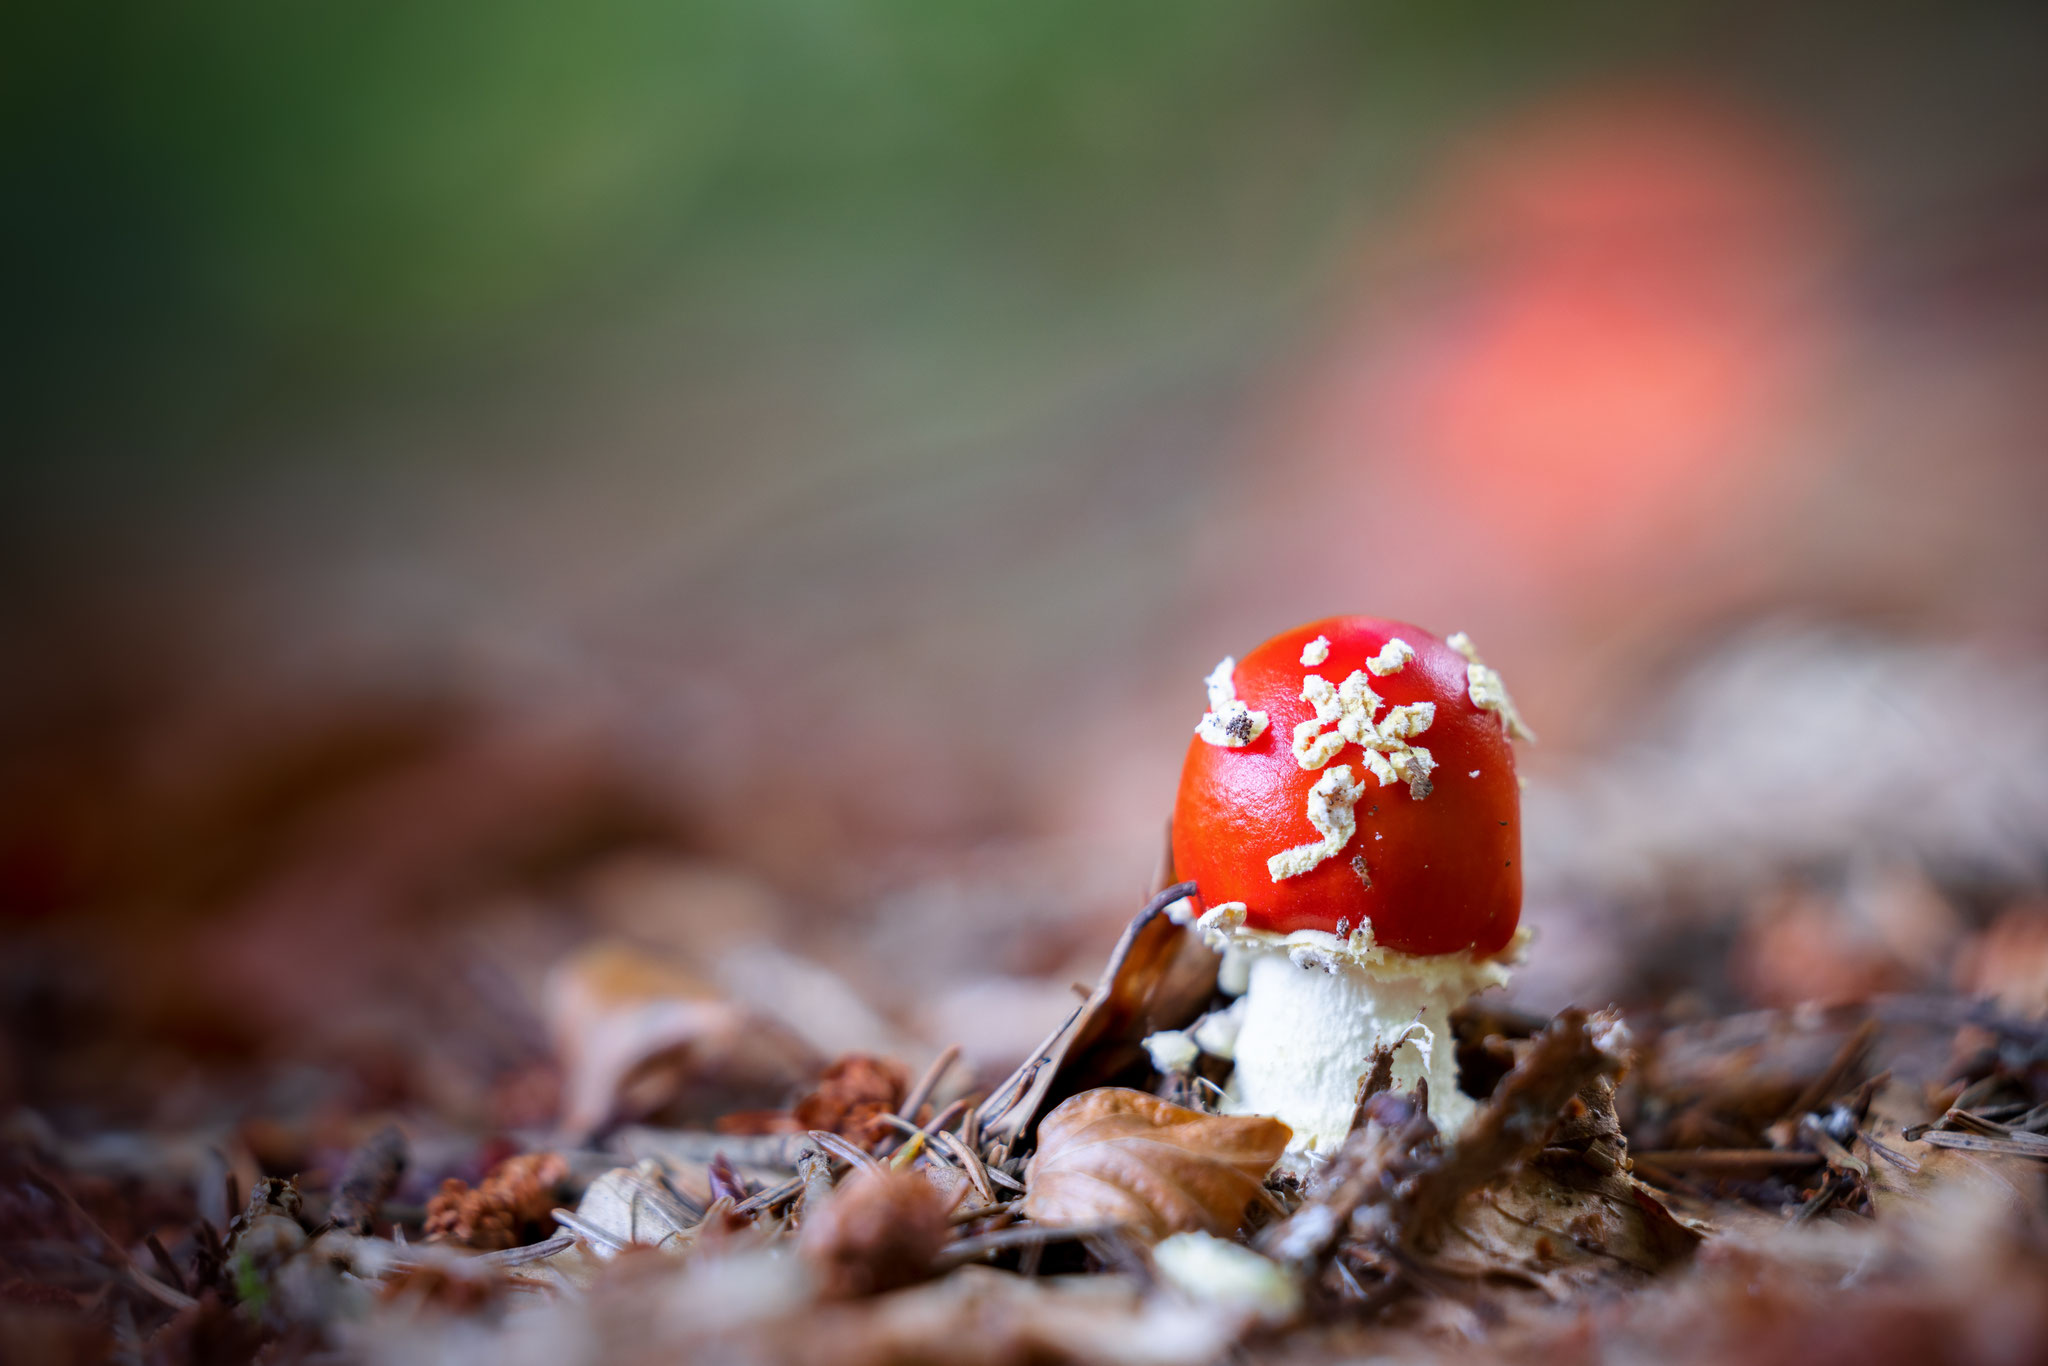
[1695, 1192]
[1860, 1181]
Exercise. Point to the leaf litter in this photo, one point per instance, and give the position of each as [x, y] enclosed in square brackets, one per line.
[1708, 1190]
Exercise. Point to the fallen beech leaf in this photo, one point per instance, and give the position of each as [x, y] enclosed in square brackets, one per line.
[880, 1230]
[1117, 1156]
[639, 1037]
[633, 1207]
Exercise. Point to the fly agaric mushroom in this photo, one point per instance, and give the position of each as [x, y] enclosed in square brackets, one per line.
[1350, 815]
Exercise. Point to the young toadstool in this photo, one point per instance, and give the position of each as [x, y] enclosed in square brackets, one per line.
[1350, 813]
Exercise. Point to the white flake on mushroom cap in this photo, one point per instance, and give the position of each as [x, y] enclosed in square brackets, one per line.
[1330, 811]
[1484, 687]
[1313, 748]
[1228, 722]
[1392, 658]
[1315, 652]
[1389, 756]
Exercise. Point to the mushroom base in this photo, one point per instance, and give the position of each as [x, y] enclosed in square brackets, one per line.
[1309, 1031]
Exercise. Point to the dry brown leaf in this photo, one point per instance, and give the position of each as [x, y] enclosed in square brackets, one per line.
[880, 1230]
[640, 1037]
[1117, 1156]
[1570, 1211]
[1552, 1227]
[1159, 976]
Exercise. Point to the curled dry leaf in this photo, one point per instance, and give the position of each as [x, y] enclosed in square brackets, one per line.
[508, 1207]
[879, 1231]
[1159, 976]
[633, 1206]
[639, 1038]
[1571, 1213]
[1117, 1156]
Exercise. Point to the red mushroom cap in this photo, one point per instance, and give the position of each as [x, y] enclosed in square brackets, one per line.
[1442, 873]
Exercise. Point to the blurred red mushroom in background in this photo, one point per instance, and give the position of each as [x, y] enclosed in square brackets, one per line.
[1568, 394]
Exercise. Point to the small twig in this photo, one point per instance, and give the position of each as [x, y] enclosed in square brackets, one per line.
[1832, 1188]
[2005, 1111]
[588, 1232]
[1897, 1159]
[1718, 1161]
[768, 1199]
[901, 1125]
[166, 1265]
[929, 1127]
[2017, 1145]
[532, 1252]
[726, 1184]
[969, 1162]
[150, 1285]
[927, 1083]
[1655, 1175]
[1166, 896]
[1003, 1178]
[1824, 1143]
[967, 1214]
[968, 1249]
[1958, 1119]
[1824, 1086]
[845, 1151]
[945, 1118]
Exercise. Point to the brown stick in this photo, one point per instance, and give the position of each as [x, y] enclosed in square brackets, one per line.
[1830, 1080]
[921, 1092]
[367, 1180]
[1725, 1160]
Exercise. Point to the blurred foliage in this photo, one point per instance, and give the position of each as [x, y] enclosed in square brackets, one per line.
[241, 195]
[220, 205]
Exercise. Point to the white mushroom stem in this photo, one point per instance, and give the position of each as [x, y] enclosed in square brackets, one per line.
[1309, 1032]
[1316, 1007]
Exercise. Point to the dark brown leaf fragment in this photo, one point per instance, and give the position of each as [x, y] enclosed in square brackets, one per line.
[508, 1207]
